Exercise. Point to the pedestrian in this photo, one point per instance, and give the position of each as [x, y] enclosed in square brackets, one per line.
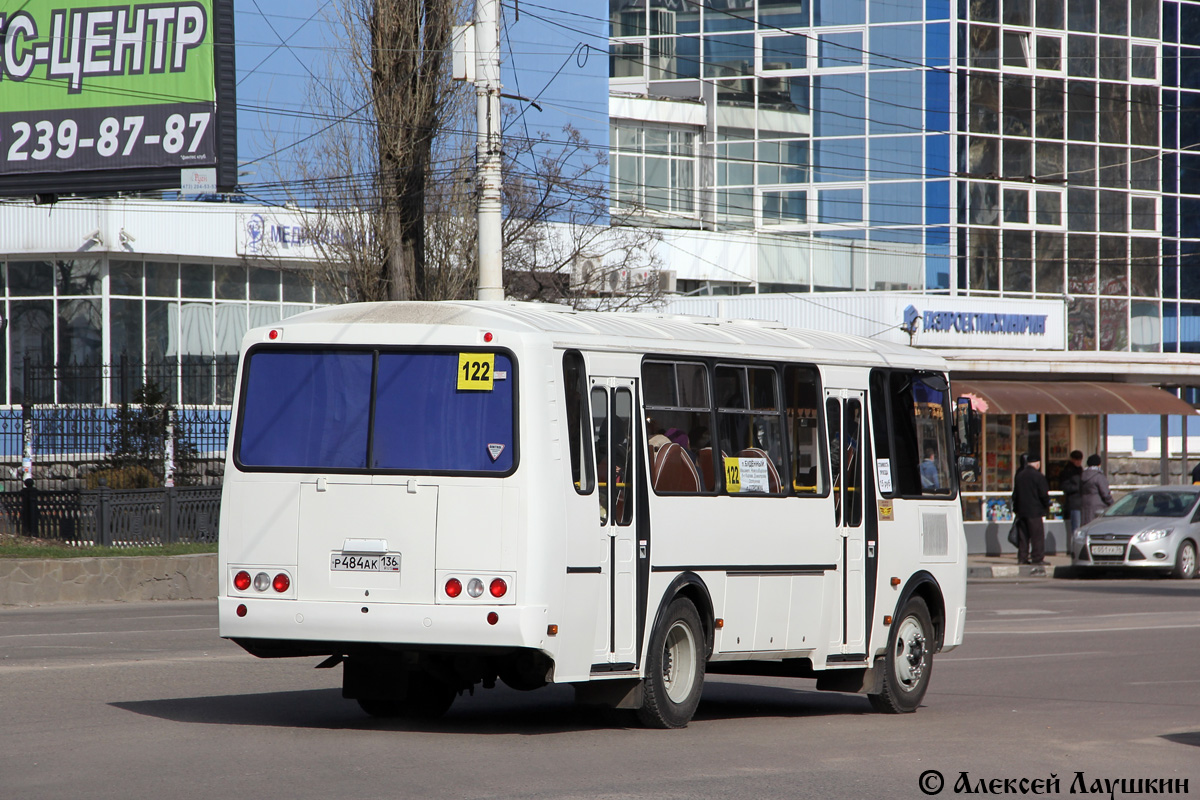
[1093, 490]
[929, 472]
[1068, 481]
[1196, 474]
[1031, 503]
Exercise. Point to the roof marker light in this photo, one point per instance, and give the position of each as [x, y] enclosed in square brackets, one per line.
[487, 336]
[274, 334]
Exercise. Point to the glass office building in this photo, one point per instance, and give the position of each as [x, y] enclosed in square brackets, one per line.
[1012, 149]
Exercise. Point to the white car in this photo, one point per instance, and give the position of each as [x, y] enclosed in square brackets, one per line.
[1153, 528]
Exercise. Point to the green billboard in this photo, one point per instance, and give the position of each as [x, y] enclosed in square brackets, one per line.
[92, 85]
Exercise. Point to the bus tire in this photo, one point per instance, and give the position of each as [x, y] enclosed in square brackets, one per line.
[674, 668]
[908, 663]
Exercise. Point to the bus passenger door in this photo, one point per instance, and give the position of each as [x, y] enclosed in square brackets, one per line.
[844, 415]
[615, 426]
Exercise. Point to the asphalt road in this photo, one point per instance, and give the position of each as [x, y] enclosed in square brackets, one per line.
[1056, 677]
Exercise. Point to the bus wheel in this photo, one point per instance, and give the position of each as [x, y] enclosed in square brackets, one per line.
[674, 668]
[908, 662]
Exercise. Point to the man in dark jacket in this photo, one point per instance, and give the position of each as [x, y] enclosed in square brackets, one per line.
[1031, 503]
[1068, 481]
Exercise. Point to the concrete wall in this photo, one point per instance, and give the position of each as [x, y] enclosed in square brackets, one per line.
[32, 581]
[991, 538]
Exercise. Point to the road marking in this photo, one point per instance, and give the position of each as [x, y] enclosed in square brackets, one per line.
[143, 662]
[950, 660]
[1010, 612]
[104, 633]
[1084, 630]
[1154, 683]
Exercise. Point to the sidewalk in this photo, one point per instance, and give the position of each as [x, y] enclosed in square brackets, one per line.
[1057, 566]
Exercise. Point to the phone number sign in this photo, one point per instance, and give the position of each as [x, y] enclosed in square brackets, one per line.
[93, 85]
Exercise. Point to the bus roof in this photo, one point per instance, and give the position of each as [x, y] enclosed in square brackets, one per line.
[648, 331]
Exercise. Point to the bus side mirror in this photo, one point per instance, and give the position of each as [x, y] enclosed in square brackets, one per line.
[966, 440]
[966, 427]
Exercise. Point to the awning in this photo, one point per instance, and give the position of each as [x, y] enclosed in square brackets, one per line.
[1068, 397]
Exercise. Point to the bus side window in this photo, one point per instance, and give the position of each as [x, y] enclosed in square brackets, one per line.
[803, 430]
[622, 456]
[578, 439]
[851, 463]
[833, 419]
[750, 425]
[600, 438]
[920, 434]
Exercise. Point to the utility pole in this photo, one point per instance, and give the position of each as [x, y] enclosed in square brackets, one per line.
[487, 135]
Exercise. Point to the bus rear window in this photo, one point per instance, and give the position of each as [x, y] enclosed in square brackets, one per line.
[315, 410]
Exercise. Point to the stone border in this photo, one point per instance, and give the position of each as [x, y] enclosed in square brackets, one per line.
[131, 579]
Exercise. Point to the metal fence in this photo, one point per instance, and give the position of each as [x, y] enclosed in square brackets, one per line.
[114, 518]
[135, 424]
[72, 447]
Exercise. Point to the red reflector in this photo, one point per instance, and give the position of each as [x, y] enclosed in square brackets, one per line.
[487, 337]
[241, 610]
[281, 583]
[493, 618]
[498, 587]
[453, 587]
[242, 581]
[274, 334]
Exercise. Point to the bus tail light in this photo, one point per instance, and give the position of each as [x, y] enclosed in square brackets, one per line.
[498, 588]
[262, 581]
[281, 583]
[453, 587]
[241, 581]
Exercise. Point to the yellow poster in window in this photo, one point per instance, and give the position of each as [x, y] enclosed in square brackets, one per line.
[475, 371]
[733, 475]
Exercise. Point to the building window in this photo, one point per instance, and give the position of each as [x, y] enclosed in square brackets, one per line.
[653, 170]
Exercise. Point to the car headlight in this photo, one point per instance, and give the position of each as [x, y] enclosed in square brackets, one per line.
[1150, 536]
[1080, 538]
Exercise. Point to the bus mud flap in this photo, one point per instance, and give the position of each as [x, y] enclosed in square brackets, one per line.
[619, 693]
[860, 681]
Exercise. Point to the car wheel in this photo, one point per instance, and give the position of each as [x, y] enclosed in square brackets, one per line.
[908, 662]
[1185, 561]
[674, 668]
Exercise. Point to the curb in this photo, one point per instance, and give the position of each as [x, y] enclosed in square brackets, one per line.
[1020, 571]
[35, 582]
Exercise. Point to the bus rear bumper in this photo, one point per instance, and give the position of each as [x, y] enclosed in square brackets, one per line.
[383, 623]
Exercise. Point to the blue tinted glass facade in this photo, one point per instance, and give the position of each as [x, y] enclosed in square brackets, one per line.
[1052, 146]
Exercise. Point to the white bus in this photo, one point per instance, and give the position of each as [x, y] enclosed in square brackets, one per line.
[439, 495]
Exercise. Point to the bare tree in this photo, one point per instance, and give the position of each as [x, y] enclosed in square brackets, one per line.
[387, 189]
[560, 244]
[364, 177]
